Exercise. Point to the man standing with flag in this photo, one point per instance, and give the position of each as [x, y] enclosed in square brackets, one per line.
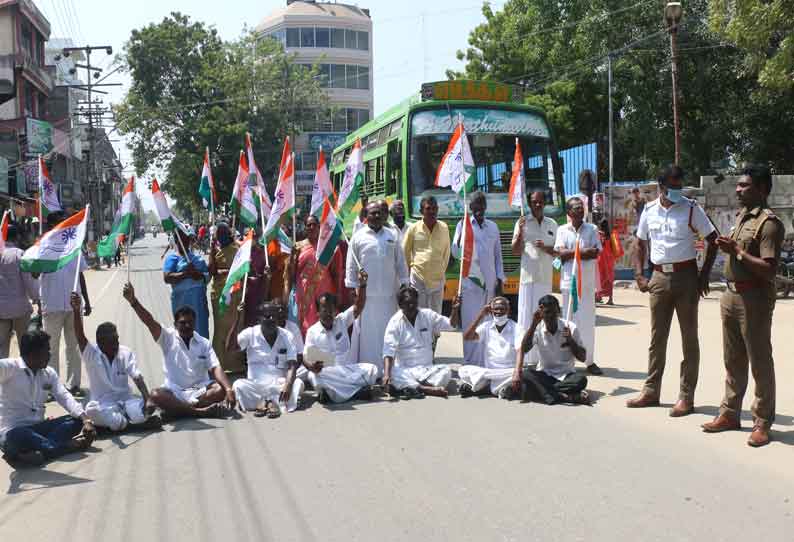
[483, 234]
[18, 288]
[578, 246]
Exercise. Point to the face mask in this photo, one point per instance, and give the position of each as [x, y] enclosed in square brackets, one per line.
[500, 320]
[674, 194]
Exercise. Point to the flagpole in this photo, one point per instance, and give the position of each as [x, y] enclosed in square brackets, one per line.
[79, 251]
[245, 285]
[464, 225]
[41, 211]
[523, 185]
[212, 188]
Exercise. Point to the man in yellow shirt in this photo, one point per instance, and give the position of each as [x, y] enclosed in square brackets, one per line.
[426, 245]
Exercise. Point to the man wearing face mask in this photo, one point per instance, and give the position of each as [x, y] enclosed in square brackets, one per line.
[497, 340]
[672, 224]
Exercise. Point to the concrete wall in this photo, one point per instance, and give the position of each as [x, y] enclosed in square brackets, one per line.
[7, 32]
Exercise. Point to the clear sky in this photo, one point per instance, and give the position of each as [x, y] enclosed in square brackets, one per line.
[413, 40]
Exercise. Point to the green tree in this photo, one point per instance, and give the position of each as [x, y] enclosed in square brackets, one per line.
[192, 90]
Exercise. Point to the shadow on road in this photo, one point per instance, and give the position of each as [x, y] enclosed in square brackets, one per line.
[611, 372]
[32, 479]
[622, 390]
[710, 410]
[191, 425]
[608, 321]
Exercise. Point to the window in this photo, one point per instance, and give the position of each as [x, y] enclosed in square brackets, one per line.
[350, 39]
[372, 141]
[363, 116]
[363, 41]
[325, 75]
[293, 37]
[337, 76]
[42, 106]
[383, 135]
[307, 37]
[322, 37]
[352, 77]
[352, 119]
[395, 128]
[363, 78]
[338, 38]
[29, 99]
[340, 121]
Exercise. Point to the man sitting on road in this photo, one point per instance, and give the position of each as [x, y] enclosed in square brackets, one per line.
[195, 385]
[110, 366]
[338, 377]
[497, 342]
[558, 343]
[408, 348]
[25, 383]
[271, 387]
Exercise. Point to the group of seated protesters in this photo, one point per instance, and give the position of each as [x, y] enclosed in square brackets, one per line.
[279, 367]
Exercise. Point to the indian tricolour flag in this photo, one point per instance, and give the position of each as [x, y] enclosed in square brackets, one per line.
[167, 220]
[261, 199]
[59, 246]
[240, 267]
[330, 233]
[456, 169]
[516, 196]
[470, 263]
[576, 282]
[107, 247]
[349, 192]
[284, 203]
[242, 195]
[48, 195]
[4, 229]
[322, 188]
[207, 187]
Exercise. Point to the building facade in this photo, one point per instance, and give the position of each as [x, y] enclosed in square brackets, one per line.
[338, 39]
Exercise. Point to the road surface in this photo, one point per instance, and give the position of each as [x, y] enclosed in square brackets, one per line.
[456, 469]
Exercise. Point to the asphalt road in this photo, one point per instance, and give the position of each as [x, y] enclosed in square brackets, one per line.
[455, 469]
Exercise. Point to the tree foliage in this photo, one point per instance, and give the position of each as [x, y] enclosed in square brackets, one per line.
[558, 50]
[191, 90]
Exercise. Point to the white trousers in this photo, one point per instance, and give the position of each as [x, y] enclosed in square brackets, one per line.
[341, 382]
[251, 393]
[370, 328]
[474, 298]
[56, 323]
[116, 416]
[528, 296]
[585, 319]
[429, 298]
[412, 377]
[479, 377]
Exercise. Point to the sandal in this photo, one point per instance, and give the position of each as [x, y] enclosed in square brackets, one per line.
[272, 411]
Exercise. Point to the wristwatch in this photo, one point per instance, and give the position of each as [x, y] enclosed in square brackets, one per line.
[739, 255]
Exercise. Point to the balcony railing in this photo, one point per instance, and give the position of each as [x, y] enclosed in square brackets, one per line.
[24, 60]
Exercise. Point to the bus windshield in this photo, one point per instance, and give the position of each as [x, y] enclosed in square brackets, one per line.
[492, 136]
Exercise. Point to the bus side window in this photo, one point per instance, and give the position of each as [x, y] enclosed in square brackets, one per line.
[394, 168]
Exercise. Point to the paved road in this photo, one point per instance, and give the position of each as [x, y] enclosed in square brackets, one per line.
[474, 469]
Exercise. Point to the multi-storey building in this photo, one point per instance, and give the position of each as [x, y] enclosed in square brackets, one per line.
[338, 39]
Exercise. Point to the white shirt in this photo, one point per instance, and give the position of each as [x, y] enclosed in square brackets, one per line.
[671, 238]
[536, 265]
[499, 347]
[110, 381]
[23, 395]
[412, 345]
[335, 340]
[265, 360]
[295, 333]
[56, 288]
[382, 258]
[17, 287]
[566, 240]
[185, 367]
[489, 249]
[555, 360]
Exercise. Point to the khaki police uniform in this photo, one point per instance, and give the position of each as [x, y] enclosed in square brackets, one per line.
[671, 233]
[746, 308]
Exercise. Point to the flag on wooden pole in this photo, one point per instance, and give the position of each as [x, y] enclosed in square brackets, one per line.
[108, 246]
[284, 198]
[350, 191]
[48, 194]
[261, 199]
[59, 246]
[161, 206]
[330, 234]
[243, 202]
[516, 195]
[241, 266]
[322, 188]
[207, 187]
[457, 169]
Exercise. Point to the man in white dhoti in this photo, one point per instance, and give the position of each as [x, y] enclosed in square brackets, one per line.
[489, 254]
[195, 385]
[327, 351]
[533, 240]
[408, 348]
[271, 387]
[589, 247]
[110, 367]
[497, 339]
[381, 257]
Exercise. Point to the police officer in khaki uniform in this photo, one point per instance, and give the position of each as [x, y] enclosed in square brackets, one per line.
[672, 224]
[754, 248]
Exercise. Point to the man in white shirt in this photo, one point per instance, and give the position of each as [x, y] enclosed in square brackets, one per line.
[497, 339]
[533, 240]
[25, 383]
[558, 343]
[489, 254]
[586, 234]
[672, 224]
[18, 289]
[195, 384]
[397, 211]
[110, 366]
[56, 312]
[408, 348]
[382, 259]
[335, 375]
[271, 387]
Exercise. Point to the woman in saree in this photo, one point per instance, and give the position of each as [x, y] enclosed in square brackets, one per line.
[222, 251]
[187, 274]
[606, 264]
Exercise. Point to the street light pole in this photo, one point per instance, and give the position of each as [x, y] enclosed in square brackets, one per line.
[672, 14]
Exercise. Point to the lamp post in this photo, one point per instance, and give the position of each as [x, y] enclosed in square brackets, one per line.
[673, 13]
